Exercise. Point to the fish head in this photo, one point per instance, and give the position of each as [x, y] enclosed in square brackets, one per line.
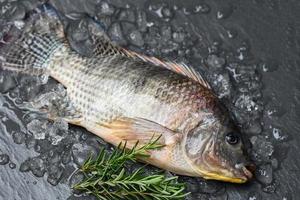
[216, 151]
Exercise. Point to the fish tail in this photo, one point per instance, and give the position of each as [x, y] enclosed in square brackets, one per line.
[29, 51]
[28, 55]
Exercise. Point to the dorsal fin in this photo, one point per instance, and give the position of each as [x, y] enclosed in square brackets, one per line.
[104, 47]
[179, 68]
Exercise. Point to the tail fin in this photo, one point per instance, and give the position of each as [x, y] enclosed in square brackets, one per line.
[29, 51]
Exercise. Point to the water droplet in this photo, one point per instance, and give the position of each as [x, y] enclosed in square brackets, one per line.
[83, 136]
[231, 33]
[25, 166]
[269, 66]
[18, 137]
[264, 174]
[106, 9]
[270, 188]
[178, 37]
[37, 148]
[187, 11]
[252, 198]
[277, 134]
[149, 24]
[136, 38]
[167, 13]
[4, 159]
[203, 8]
[215, 62]
[224, 12]
[219, 15]
[12, 165]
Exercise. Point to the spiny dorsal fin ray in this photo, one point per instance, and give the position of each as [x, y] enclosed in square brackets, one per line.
[103, 46]
[179, 68]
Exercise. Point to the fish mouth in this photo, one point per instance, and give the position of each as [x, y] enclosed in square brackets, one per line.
[213, 170]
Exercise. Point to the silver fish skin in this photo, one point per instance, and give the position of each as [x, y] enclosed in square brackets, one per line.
[121, 95]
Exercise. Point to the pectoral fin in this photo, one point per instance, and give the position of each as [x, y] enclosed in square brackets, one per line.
[141, 130]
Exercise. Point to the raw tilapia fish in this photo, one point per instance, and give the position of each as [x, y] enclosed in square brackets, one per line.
[121, 95]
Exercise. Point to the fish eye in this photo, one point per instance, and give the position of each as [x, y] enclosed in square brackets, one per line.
[232, 138]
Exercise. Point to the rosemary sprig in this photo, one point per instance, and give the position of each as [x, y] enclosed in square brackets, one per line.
[106, 177]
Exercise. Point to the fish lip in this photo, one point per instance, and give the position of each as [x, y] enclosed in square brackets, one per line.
[232, 179]
[247, 173]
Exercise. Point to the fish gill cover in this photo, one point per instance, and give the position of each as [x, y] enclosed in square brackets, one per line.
[249, 52]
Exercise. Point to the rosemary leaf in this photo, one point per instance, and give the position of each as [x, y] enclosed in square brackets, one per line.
[106, 177]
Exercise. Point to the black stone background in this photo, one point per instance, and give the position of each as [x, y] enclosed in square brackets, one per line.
[248, 50]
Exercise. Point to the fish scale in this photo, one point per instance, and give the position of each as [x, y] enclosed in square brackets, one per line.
[121, 95]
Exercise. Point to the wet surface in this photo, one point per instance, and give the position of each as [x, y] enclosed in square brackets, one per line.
[249, 52]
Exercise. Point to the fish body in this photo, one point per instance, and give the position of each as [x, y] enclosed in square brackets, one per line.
[107, 88]
[120, 95]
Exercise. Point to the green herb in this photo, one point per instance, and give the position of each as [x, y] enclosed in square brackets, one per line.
[106, 177]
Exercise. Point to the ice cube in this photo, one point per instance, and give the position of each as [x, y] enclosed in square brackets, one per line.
[38, 128]
[58, 131]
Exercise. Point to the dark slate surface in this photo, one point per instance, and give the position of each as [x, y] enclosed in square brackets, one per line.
[248, 50]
